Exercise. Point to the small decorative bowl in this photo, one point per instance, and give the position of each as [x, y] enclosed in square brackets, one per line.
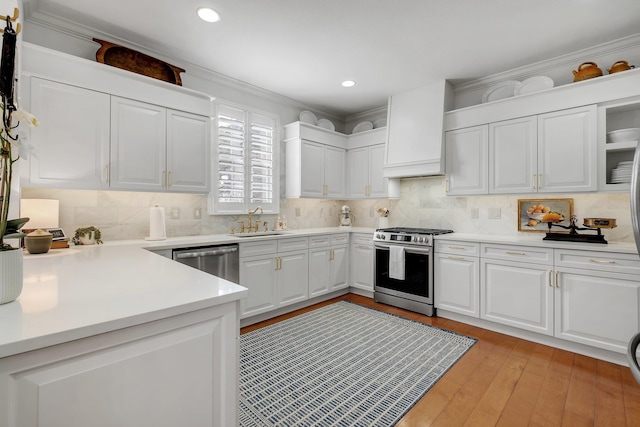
[38, 242]
[623, 135]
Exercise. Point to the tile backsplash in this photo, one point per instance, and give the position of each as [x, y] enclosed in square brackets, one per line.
[423, 203]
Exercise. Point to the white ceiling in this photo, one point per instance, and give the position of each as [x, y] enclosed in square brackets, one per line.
[303, 49]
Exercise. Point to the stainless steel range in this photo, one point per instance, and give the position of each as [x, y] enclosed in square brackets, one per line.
[403, 268]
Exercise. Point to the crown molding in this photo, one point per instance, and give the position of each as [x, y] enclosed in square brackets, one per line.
[547, 65]
[364, 114]
[86, 34]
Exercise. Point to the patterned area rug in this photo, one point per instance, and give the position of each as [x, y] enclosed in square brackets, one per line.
[341, 365]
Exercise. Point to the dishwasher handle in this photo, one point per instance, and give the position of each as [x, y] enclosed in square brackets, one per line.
[204, 253]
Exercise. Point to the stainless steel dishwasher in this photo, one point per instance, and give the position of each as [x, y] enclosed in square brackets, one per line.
[222, 261]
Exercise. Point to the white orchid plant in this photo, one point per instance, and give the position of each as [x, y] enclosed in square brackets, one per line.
[9, 229]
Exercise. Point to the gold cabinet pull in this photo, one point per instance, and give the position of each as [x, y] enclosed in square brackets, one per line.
[446, 185]
[106, 174]
[459, 258]
[551, 278]
[539, 181]
[557, 279]
[515, 253]
[533, 181]
[456, 247]
[601, 261]
[170, 181]
[331, 255]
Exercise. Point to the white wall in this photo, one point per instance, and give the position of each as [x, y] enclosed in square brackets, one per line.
[423, 203]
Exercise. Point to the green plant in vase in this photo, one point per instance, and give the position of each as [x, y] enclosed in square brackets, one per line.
[87, 234]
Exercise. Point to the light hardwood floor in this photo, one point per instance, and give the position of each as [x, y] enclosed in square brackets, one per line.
[509, 382]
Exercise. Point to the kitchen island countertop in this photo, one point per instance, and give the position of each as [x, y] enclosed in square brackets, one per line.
[74, 293]
[82, 291]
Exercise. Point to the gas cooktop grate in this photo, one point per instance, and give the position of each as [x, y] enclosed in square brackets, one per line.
[411, 230]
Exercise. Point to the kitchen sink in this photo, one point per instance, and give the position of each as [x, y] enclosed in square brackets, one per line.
[260, 234]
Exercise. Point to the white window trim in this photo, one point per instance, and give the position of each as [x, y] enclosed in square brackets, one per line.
[213, 206]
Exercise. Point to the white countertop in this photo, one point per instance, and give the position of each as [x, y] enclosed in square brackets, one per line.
[82, 291]
[217, 239]
[536, 240]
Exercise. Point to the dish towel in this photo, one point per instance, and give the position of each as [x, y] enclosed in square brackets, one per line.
[396, 262]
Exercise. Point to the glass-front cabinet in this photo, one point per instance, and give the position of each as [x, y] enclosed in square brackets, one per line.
[618, 133]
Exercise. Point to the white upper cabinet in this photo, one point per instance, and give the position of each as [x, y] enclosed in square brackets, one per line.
[71, 143]
[567, 150]
[138, 145]
[106, 128]
[415, 131]
[358, 172]
[156, 149]
[188, 152]
[364, 166]
[322, 170]
[335, 161]
[513, 155]
[315, 162]
[466, 154]
[547, 153]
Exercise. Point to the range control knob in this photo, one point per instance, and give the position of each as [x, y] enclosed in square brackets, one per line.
[420, 239]
[382, 236]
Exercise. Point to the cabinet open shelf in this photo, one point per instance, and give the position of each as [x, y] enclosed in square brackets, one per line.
[621, 146]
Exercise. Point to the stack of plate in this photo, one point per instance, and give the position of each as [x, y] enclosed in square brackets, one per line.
[622, 173]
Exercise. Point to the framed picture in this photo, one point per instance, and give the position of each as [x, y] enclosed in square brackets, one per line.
[532, 211]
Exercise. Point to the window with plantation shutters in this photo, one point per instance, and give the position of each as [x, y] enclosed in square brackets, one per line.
[245, 159]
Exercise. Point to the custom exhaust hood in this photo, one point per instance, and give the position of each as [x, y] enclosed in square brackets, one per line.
[415, 137]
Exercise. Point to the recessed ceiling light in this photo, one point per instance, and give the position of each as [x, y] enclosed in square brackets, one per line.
[208, 14]
[348, 83]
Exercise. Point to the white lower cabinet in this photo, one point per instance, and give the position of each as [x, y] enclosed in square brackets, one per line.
[275, 272]
[361, 261]
[327, 264]
[517, 294]
[515, 286]
[456, 277]
[587, 297]
[156, 374]
[597, 300]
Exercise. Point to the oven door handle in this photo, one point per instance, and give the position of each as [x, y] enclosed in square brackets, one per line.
[421, 251]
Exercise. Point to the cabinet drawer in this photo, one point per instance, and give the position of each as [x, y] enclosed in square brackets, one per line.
[339, 239]
[362, 239]
[259, 248]
[319, 241]
[517, 253]
[457, 248]
[602, 261]
[294, 244]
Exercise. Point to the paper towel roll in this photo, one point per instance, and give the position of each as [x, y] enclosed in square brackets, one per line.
[156, 223]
